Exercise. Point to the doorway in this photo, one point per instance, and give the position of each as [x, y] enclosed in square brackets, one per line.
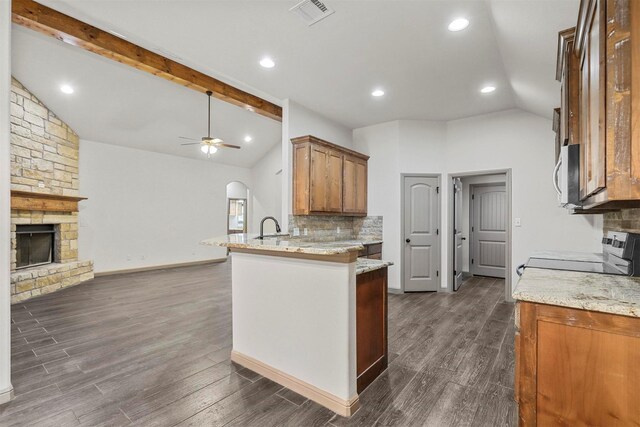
[237, 216]
[479, 238]
[421, 233]
[488, 230]
[237, 207]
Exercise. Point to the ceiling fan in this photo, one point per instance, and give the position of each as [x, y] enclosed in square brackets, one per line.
[208, 144]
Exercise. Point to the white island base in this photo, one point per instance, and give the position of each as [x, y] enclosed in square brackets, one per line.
[294, 322]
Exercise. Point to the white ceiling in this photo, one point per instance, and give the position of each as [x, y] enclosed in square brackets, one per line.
[117, 104]
[332, 67]
[404, 46]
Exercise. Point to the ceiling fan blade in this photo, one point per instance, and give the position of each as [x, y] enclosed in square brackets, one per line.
[188, 139]
[227, 145]
[192, 143]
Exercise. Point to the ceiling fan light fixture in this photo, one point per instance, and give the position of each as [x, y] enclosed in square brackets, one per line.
[208, 149]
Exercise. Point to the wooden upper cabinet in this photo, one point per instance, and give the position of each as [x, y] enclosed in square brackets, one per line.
[567, 73]
[591, 96]
[354, 185]
[605, 107]
[327, 178]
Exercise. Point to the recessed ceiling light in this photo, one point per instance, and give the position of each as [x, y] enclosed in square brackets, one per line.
[66, 89]
[488, 89]
[248, 138]
[267, 62]
[377, 93]
[458, 24]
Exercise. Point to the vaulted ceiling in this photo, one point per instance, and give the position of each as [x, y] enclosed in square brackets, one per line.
[403, 47]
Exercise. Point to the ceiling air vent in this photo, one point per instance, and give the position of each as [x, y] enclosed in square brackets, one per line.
[311, 11]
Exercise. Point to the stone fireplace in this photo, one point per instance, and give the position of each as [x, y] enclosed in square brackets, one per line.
[44, 200]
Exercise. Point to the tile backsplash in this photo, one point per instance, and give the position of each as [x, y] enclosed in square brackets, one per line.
[329, 227]
[624, 220]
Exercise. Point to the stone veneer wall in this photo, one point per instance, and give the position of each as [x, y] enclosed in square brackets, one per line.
[624, 220]
[44, 159]
[325, 228]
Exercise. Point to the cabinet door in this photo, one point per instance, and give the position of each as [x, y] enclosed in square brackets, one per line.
[586, 376]
[349, 185]
[334, 181]
[592, 93]
[301, 166]
[318, 184]
[361, 186]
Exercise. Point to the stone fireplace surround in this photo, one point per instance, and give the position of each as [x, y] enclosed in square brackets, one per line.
[44, 184]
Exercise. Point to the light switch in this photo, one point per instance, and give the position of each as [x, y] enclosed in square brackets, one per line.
[517, 222]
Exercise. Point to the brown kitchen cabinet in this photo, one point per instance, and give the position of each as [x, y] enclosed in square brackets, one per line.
[599, 67]
[576, 367]
[371, 326]
[354, 184]
[328, 179]
[565, 118]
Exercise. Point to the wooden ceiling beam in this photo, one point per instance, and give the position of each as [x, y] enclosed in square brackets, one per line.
[45, 20]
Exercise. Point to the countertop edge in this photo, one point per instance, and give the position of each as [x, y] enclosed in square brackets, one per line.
[602, 293]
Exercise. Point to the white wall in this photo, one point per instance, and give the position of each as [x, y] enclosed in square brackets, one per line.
[6, 390]
[396, 148]
[236, 190]
[266, 176]
[510, 139]
[298, 120]
[146, 209]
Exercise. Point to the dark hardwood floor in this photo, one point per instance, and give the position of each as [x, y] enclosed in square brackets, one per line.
[152, 349]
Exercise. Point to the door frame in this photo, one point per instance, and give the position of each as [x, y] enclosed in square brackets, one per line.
[451, 244]
[439, 221]
[472, 213]
[246, 215]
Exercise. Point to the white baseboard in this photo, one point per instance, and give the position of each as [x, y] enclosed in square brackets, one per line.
[394, 291]
[160, 267]
[346, 408]
[6, 396]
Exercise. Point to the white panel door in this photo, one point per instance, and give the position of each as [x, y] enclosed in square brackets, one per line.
[489, 230]
[421, 234]
[457, 233]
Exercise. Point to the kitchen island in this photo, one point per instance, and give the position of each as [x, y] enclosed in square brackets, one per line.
[305, 318]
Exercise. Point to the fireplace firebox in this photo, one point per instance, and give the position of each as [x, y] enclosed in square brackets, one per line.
[35, 245]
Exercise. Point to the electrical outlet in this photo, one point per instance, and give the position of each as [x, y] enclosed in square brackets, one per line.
[516, 222]
[296, 231]
[306, 231]
[338, 230]
[40, 184]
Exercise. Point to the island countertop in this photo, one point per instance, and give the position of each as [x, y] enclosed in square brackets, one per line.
[365, 265]
[604, 293]
[286, 243]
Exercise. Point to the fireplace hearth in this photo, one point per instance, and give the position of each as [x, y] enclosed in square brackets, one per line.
[35, 245]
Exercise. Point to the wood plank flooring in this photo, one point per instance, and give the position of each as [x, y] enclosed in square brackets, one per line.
[152, 349]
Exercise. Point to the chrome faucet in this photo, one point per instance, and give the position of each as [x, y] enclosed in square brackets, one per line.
[261, 236]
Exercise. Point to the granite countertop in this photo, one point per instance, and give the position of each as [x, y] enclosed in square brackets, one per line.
[284, 243]
[365, 265]
[605, 293]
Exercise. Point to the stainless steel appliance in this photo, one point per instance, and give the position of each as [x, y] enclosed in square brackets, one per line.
[620, 255]
[566, 176]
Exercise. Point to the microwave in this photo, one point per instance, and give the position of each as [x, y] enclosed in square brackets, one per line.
[566, 176]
